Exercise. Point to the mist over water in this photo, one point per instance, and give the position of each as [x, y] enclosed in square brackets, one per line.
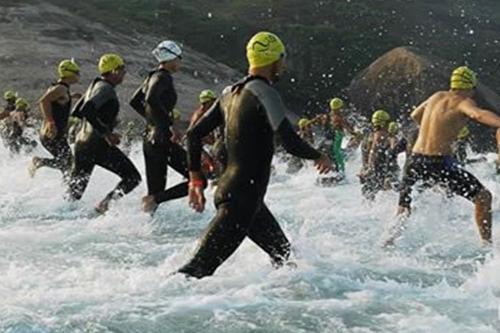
[63, 269]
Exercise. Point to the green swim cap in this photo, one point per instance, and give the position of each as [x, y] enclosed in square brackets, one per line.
[463, 78]
[393, 127]
[207, 95]
[336, 104]
[303, 123]
[10, 96]
[22, 104]
[380, 118]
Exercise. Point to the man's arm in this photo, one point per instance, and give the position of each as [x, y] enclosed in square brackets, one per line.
[375, 150]
[50, 96]
[160, 111]
[195, 134]
[293, 143]
[90, 107]
[137, 101]
[471, 110]
[349, 127]
[276, 114]
[417, 114]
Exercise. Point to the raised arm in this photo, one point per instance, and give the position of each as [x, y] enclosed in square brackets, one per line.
[486, 117]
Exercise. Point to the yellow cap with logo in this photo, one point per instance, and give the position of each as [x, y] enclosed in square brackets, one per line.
[264, 49]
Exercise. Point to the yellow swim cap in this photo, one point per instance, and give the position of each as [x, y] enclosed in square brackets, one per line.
[110, 62]
[264, 49]
[22, 104]
[68, 68]
[336, 104]
[10, 96]
[207, 96]
[463, 78]
[303, 123]
[380, 118]
[393, 127]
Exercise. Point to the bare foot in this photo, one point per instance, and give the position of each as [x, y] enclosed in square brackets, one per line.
[103, 206]
[149, 204]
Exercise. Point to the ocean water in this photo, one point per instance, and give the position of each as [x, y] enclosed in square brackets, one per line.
[64, 269]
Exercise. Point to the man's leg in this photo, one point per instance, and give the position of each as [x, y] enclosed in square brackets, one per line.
[114, 160]
[156, 160]
[80, 174]
[61, 151]
[177, 159]
[483, 214]
[225, 233]
[268, 235]
[463, 183]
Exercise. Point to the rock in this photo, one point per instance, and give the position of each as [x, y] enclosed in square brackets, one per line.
[403, 78]
[36, 35]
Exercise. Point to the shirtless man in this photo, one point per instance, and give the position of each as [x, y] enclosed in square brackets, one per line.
[441, 118]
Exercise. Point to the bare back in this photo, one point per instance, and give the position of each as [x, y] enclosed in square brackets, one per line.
[440, 121]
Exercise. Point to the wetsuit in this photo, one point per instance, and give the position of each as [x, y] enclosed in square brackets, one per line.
[438, 170]
[155, 100]
[59, 146]
[99, 110]
[379, 169]
[460, 151]
[214, 159]
[393, 167]
[253, 113]
[10, 106]
[337, 153]
[12, 130]
[338, 156]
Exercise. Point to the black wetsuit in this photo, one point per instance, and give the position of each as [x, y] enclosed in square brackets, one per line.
[379, 170]
[59, 146]
[394, 170]
[155, 100]
[438, 170]
[99, 110]
[253, 113]
[460, 151]
[10, 106]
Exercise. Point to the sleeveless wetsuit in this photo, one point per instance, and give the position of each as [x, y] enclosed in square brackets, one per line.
[59, 146]
[99, 110]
